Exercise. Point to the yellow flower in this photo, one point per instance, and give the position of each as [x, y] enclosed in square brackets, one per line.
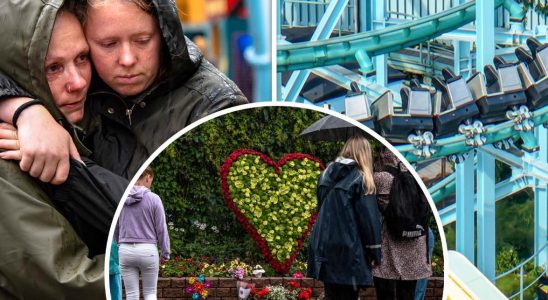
[191, 280]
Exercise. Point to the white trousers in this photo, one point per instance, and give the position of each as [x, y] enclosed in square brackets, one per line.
[135, 258]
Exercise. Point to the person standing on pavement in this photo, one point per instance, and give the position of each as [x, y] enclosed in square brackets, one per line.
[404, 261]
[140, 230]
[346, 239]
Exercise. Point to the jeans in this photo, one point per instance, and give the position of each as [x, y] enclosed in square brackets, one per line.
[420, 290]
[135, 258]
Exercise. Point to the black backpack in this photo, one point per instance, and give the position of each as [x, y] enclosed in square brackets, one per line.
[407, 214]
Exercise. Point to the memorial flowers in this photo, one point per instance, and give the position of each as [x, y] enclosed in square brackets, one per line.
[198, 287]
[275, 201]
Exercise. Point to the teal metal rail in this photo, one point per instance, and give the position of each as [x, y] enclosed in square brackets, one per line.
[307, 55]
[503, 190]
[521, 267]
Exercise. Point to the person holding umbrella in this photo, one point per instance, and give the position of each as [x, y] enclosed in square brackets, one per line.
[346, 238]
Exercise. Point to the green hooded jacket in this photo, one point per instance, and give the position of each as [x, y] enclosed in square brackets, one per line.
[124, 132]
[41, 256]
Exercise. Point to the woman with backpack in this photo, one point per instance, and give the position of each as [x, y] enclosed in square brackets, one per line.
[345, 240]
[404, 250]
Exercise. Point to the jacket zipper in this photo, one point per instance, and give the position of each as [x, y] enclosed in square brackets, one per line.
[129, 111]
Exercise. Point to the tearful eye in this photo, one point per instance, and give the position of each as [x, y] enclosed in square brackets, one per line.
[53, 68]
[83, 58]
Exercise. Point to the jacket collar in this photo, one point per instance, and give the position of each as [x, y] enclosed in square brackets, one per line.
[345, 161]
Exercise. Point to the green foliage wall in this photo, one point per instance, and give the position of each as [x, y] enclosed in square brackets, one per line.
[187, 175]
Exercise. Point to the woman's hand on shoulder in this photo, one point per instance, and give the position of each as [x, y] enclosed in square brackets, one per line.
[41, 144]
[9, 142]
[45, 146]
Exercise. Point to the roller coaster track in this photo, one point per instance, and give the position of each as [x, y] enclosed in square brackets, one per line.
[339, 50]
[457, 144]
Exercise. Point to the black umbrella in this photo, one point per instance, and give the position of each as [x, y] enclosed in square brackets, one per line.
[331, 128]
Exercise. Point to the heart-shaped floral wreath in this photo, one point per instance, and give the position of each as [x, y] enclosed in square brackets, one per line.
[277, 208]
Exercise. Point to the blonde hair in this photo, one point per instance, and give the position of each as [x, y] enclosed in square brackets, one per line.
[359, 149]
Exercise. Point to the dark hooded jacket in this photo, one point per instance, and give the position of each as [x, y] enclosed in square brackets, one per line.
[123, 133]
[346, 237]
[88, 200]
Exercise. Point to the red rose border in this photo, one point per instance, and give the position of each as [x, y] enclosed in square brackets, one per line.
[267, 254]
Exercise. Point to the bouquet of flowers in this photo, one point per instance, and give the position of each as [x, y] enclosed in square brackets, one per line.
[237, 272]
[258, 271]
[198, 287]
[244, 289]
[293, 291]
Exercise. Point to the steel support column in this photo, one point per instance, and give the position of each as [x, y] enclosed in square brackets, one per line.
[485, 35]
[486, 214]
[366, 22]
[465, 206]
[541, 200]
[323, 31]
[461, 50]
[381, 61]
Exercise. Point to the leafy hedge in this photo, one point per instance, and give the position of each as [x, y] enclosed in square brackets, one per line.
[187, 176]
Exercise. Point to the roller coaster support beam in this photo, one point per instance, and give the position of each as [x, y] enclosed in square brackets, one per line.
[465, 205]
[365, 15]
[541, 200]
[485, 35]
[528, 163]
[325, 27]
[381, 63]
[462, 53]
[503, 189]
[485, 175]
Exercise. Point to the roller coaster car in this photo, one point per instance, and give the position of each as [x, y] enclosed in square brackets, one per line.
[453, 103]
[357, 106]
[533, 70]
[415, 115]
[497, 91]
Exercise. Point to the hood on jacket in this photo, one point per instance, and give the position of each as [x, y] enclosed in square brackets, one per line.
[136, 194]
[26, 30]
[24, 56]
[184, 56]
[339, 169]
